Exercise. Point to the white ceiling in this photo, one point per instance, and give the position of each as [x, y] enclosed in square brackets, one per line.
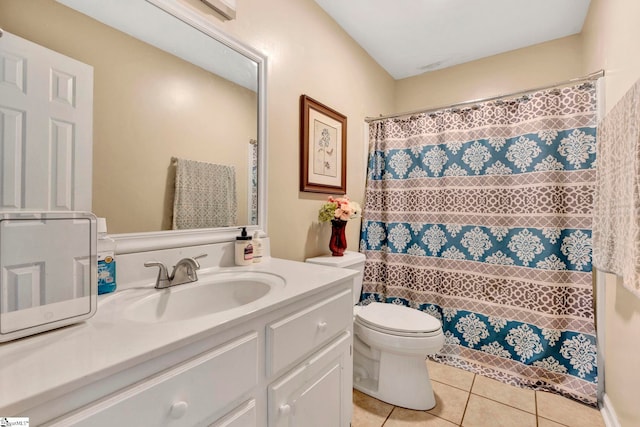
[410, 37]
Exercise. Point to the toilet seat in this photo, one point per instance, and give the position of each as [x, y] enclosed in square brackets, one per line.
[397, 320]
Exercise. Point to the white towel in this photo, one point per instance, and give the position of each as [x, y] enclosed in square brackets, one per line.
[205, 195]
[616, 228]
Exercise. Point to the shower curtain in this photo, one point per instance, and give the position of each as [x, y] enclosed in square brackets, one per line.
[482, 218]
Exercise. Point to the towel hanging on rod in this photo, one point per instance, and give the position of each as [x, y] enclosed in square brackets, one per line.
[205, 195]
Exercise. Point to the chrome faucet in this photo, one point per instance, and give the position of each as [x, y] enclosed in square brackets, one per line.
[183, 272]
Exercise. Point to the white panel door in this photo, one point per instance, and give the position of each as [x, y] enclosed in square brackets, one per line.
[46, 119]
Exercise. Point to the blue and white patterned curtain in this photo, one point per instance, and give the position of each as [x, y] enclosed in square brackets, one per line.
[482, 218]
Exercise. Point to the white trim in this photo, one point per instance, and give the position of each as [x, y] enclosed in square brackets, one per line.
[608, 413]
[144, 242]
[366, 148]
[600, 281]
[226, 8]
[600, 296]
[600, 100]
[606, 406]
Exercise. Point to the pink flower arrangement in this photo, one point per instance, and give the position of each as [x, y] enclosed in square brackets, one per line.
[339, 208]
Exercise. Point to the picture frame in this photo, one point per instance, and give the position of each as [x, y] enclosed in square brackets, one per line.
[323, 148]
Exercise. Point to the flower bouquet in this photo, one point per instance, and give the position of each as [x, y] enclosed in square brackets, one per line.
[338, 210]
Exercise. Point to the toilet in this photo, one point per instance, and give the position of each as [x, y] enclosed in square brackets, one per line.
[391, 343]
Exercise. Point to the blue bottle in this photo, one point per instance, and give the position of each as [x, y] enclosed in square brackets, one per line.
[106, 260]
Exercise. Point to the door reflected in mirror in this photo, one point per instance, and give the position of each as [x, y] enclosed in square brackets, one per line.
[151, 106]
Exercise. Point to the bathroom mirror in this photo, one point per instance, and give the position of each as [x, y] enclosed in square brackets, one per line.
[223, 126]
[168, 84]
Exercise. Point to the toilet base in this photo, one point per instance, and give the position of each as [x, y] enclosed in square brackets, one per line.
[402, 381]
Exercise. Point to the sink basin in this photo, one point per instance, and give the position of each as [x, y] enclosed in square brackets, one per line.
[219, 292]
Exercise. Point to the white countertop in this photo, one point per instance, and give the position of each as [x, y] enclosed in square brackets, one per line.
[33, 369]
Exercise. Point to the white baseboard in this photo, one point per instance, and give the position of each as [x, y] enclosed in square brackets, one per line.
[608, 412]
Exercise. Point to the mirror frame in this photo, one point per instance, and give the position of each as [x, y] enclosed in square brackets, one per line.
[148, 241]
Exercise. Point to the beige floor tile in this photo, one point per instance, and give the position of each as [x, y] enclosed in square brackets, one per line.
[482, 412]
[450, 402]
[509, 395]
[543, 422]
[368, 412]
[401, 417]
[566, 411]
[450, 375]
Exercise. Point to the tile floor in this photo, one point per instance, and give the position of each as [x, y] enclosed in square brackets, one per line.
[469, 400]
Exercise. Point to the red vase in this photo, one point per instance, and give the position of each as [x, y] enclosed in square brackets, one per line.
[338, 242]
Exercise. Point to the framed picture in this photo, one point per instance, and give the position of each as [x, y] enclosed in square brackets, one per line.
[323, 148]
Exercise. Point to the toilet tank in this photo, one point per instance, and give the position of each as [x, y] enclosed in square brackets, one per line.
[350, 260]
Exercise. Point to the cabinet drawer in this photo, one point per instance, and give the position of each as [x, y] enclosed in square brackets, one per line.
[185, 395]
[300, 333]
[243, 416]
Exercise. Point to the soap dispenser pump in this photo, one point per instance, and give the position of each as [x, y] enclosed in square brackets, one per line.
[244, 248]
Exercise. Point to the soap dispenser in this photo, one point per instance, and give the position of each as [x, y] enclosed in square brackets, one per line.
[244, 248]
[257, 247]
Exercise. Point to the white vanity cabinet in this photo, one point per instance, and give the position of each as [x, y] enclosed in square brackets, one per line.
[288, 366]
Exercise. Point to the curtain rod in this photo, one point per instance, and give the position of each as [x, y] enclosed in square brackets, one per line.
[593, 76]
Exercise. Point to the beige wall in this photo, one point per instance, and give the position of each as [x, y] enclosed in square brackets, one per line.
[148, 107]
[510, 72]
[612, 42]
[308, 54]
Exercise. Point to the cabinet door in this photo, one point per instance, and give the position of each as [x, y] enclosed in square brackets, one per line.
[318, 392]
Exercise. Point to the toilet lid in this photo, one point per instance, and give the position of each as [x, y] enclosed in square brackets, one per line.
[397, 318]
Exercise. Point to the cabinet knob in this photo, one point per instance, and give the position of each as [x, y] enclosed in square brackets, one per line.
[322, 326]
[285, 409]
[178, 409]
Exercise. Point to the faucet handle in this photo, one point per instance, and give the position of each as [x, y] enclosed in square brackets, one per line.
[198, 257]
[163, 276]
[154, 264]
